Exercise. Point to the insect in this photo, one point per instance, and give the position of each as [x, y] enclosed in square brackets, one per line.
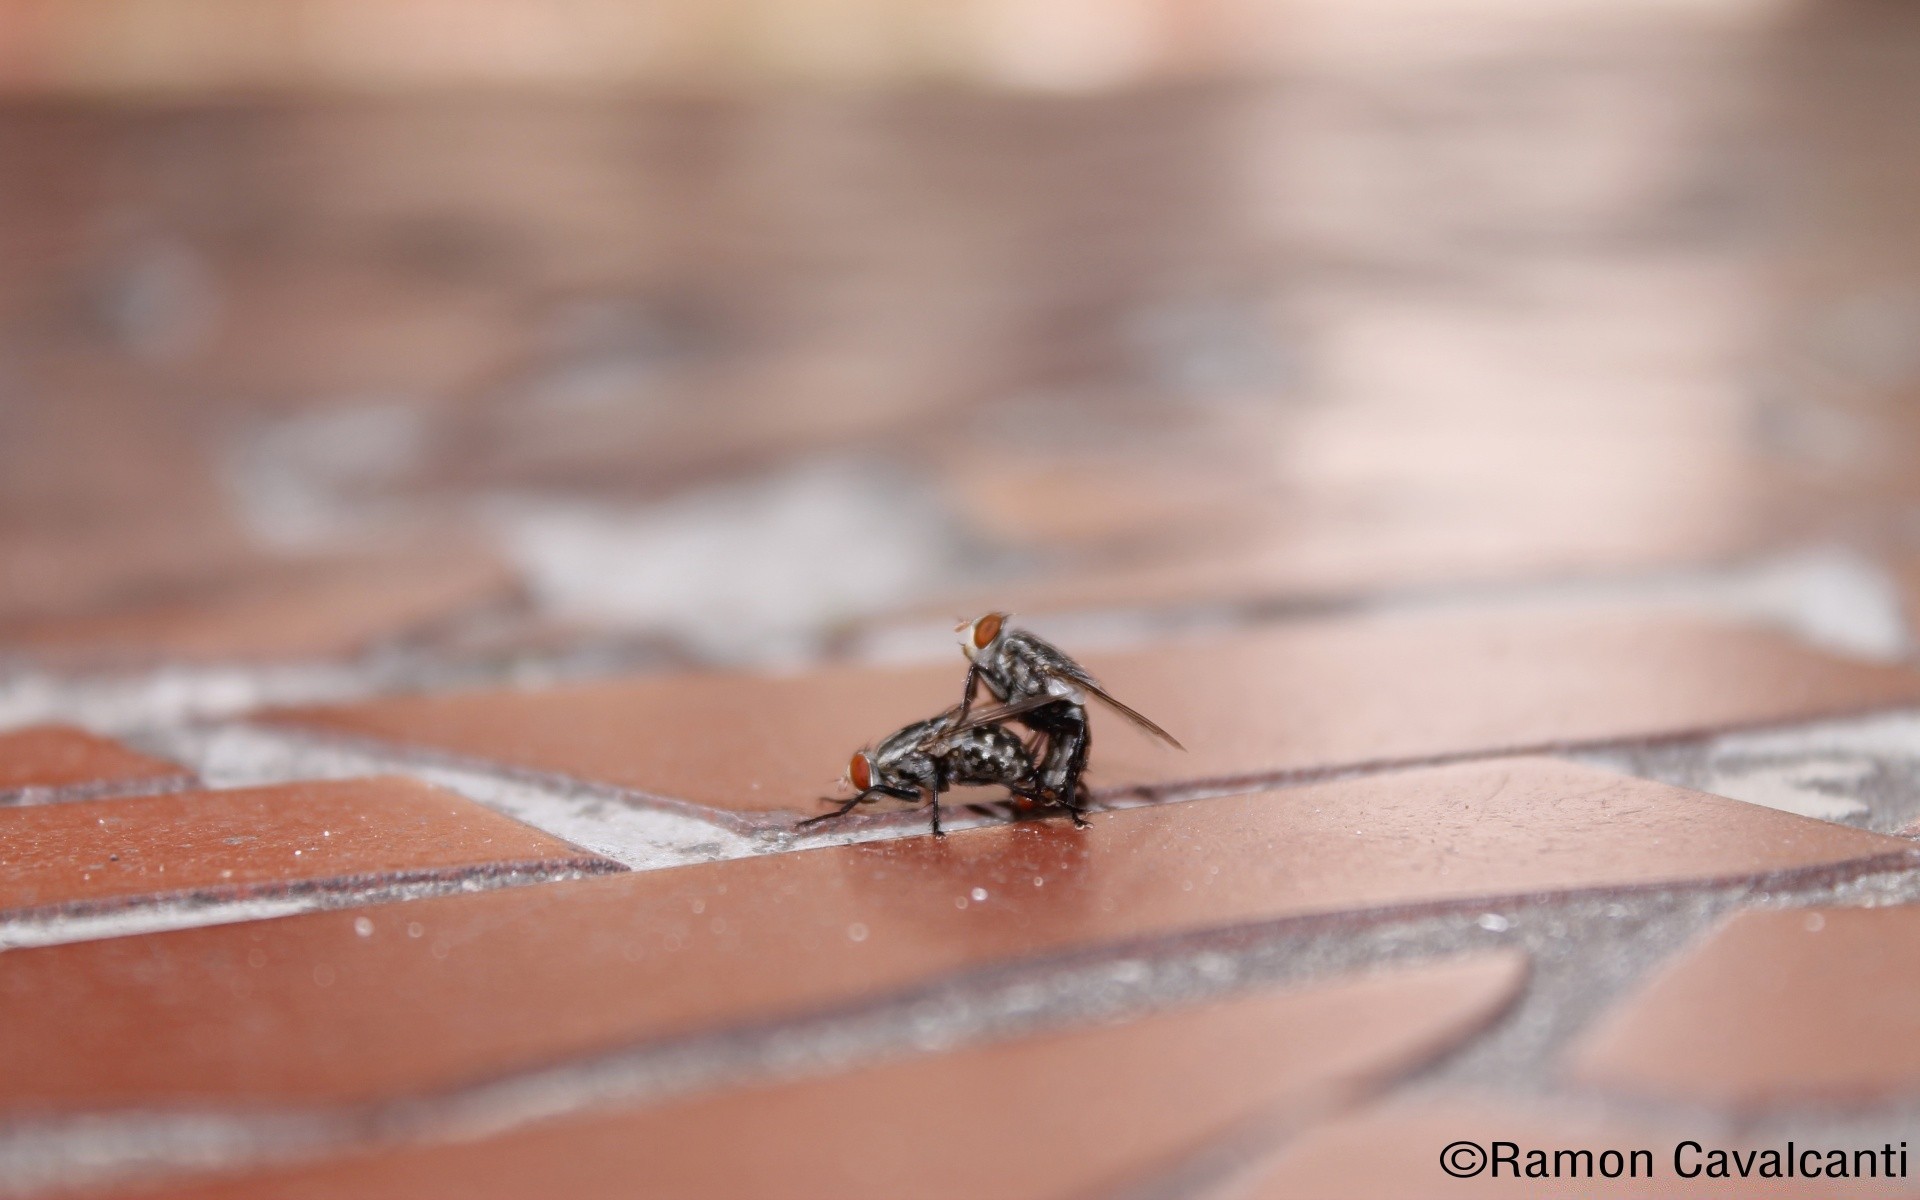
[1037, 684]
[928, 757]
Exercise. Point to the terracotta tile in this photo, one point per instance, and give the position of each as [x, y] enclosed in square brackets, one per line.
[1041, 1117]
[55, 756]
[440, 993]
[104, 852]
[1304, 697]
[1393, 1153]
[1794, 1006]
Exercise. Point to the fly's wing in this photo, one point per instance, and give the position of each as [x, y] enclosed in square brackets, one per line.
[1128, 713]
[995, 714]
[937, 734]
[920, 736]
[1050, 660]
[1058, 665]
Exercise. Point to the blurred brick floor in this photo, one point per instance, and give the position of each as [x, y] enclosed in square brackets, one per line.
[449, 540]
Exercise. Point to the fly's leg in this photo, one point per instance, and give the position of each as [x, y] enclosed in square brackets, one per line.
[1076, 810]
[1069, 743]
[969, 692]
[866, 797]
[1082, 748]
[933, 800]
[846, 807]
[934, 787]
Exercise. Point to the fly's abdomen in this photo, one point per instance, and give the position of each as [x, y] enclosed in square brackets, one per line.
[992, 755]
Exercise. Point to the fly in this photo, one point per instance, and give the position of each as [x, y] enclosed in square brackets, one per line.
[924, 759]
[1045, 690]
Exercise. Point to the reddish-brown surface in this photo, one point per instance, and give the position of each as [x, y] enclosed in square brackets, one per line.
[232, 843]
[440, 991]
[51, 756]
[1311, 696]
[271, 611]
[1041, 1117]
[1463, 370]
[1394, 1154]
[1800, 1006]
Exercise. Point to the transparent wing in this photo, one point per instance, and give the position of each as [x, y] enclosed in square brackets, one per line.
[994, 714]
[1130, 714]
[997, 713]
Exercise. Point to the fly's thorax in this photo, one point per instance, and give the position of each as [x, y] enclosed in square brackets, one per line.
[904, 741]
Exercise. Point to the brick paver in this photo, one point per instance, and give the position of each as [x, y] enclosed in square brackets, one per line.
[1056, 1115]
[431, 993]
[254, 841]
[1356, 385]
[1798, 1006]
[57, 756]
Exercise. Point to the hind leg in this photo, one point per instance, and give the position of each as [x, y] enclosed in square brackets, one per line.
[1069, 744]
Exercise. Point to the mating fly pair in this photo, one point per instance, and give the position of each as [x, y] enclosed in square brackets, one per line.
[1035, 685]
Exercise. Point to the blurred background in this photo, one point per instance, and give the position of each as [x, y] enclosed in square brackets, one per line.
[564, 335]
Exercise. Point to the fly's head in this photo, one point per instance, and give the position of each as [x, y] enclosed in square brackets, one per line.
[978, 636]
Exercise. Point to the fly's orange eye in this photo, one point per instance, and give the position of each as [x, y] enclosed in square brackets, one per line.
[860, 771]
[986, 629]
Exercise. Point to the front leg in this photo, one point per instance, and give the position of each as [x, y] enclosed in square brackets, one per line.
[967, 694]
[866, 797]
[845, 808]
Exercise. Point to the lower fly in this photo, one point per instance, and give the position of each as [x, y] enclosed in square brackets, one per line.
[926, 758]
